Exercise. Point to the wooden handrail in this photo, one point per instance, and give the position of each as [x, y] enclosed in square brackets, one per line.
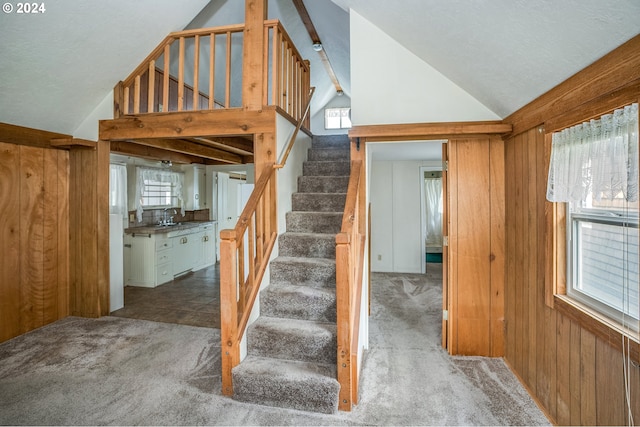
[350, 252]
[292, 141]
[257, 226]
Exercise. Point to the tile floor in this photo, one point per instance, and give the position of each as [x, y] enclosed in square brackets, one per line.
[193, 299]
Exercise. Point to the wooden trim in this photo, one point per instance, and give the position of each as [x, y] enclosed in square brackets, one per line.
[21, 135]
[603, 328]
[69, 142]
[595, 108]
[612, 72]
[187, 124]
[414, 131]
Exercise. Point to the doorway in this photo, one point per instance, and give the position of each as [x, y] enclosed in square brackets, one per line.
[432, 214]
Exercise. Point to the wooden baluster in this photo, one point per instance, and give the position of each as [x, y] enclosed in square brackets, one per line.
[136, 95]
[212, 70]
[165, 78]
[227, 82]
[181, 74]
[196, 73]
[275, 73]
[242, 277]
[265, 68]
[125, 98]
[151, 87]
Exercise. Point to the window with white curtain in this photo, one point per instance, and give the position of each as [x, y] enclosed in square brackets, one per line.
[594, 169]
[118, 190]
[158, 188]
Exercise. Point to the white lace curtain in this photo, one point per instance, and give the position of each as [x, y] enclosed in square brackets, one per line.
[159, 175]
[598, 157]
[118, 190]
[433, 200]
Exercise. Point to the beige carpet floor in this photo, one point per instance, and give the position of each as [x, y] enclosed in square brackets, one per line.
[117, 371]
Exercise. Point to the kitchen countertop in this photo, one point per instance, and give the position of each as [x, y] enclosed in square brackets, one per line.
[157, 229]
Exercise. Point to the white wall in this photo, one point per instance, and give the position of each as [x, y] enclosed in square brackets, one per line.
[88, 129]
[396, 237]
[389, 84]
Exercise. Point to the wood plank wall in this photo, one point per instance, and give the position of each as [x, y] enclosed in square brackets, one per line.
[575, 376]
[89, 236]
[34, 237]
[476, 246]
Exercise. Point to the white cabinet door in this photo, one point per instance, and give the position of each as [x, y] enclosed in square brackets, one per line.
[185, 249]
[142, 264]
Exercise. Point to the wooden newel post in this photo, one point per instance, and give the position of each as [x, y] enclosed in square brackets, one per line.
[228, 312]
[343, 304]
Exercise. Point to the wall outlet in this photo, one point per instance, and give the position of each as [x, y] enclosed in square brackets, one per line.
[379, 257]
[132, 218]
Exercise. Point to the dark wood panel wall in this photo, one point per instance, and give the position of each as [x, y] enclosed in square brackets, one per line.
[574, 374]
[34, 237]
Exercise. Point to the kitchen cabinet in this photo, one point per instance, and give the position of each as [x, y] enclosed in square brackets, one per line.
[186, 249]
[150, 262]
[207, 246]
[156, 257]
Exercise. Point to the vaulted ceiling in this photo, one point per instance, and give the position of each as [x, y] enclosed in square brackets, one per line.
[58, 66]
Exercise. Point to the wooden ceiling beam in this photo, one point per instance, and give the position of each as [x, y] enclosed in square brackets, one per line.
[426, 131]
[151, 153]
[190, 148]
[315, 38]
[21, 135]
[232, 144]
[189, 124]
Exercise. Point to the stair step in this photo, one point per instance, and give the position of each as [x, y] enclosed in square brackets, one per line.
[318, 202]
[316, 154]
[330, 141]
[299, 302]
[314, 222]
[287, 384]
[292, 339]
[323, 184]
[326, 168]
[316, 272]
[310, 245]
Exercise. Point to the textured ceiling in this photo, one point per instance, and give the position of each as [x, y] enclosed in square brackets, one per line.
[505, 53]
[58, 66]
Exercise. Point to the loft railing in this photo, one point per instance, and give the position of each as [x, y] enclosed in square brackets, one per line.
[202, 70]
[350, 252]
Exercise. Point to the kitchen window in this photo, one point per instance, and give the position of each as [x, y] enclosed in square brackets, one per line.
[593, 178]
[158, 188]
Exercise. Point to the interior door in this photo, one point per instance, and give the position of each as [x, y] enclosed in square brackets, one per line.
[445, 246]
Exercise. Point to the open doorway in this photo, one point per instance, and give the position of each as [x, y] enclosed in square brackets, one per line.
[432, 210]
[169, 273]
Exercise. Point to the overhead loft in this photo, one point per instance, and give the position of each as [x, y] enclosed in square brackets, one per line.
[202, 96]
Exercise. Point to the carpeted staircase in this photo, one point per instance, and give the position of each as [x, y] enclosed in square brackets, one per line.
[291, 357]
